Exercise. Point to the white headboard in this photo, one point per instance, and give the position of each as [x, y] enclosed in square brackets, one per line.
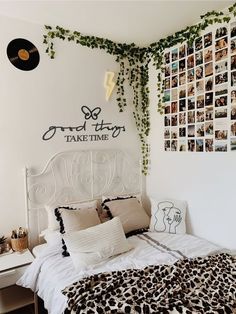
[73, 176]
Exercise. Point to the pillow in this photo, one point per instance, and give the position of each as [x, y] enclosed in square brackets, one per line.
[130, 211]
[93, 245]
[52, 221]
[138, 196]
[168, 216]
[51, 237]
[75, 219]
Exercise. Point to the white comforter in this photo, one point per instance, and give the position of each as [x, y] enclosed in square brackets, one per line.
[50, 272]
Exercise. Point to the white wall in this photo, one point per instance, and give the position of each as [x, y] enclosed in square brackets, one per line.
[51, 94]
[205, 180]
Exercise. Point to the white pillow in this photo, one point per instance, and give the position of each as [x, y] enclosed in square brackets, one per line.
[51, 237]
[53, 224]
[168, 216]
[93, 245]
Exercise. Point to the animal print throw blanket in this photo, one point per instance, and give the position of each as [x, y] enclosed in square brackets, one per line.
[200, 285]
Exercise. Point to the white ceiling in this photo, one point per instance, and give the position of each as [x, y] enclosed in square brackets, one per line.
[141, 22]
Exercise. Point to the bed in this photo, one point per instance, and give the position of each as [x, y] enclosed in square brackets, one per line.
[161, 272]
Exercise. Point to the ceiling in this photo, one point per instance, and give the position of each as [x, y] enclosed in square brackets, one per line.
[141, 22]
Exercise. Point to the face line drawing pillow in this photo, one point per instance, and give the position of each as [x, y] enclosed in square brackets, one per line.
[168, 216]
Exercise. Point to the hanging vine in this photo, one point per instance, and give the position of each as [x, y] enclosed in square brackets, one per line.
[134, 66]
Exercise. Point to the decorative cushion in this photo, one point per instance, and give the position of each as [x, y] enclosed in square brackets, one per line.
[52, 221]
[130, 211]
[168, 216]
[93, 245]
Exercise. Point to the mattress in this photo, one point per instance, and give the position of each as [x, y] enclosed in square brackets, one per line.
[50, 272]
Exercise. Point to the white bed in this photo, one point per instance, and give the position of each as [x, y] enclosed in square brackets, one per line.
[86, 175]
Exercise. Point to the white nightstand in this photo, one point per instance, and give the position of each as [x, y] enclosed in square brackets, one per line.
[13, 297]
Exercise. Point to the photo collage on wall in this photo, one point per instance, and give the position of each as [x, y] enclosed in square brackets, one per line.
[200, 93]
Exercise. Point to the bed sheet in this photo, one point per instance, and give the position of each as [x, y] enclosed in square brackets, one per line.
[50, 272]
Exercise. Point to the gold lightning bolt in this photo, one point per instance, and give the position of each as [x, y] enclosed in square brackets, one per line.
[109, 84]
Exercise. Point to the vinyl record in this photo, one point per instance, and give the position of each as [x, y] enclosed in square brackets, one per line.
[23, 54]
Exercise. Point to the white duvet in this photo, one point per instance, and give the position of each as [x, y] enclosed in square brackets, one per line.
[50, 272]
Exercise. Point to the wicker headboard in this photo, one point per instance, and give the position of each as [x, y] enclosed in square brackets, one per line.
[73, 176]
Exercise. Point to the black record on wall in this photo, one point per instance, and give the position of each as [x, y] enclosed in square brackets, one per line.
[23, 54]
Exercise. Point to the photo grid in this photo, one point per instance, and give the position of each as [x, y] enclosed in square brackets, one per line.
[200, 93]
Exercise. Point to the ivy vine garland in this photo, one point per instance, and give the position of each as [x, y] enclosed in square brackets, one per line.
[134, 63]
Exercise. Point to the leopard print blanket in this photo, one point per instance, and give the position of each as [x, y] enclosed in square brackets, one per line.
[200, 285]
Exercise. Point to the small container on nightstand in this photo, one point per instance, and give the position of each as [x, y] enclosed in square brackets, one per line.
[12, 267]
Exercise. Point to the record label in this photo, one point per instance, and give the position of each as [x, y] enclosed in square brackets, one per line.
[23, 54]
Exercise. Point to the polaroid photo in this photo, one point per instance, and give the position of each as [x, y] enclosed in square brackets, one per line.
[167, 108]
[167, 83]
[207, 40]
[174, 107]
[221, 54]
[209, 145]
[208, 99]
[207, 55]
[200, 87]
[233, 46]
[199, 58]
[200, 130]
[233, 112]
[182, 145]
[233, 63]
[182, 118]
[167, 120]
[182, 78]
[191, 130]
[166, 95]
[221, 101]
[182, 132]
[209, 84]
[198, 44]
[167, 57]
[200, 115]
[233, 78]
[174, 120]
[221, 146]
[174, 81]
[174, 68]
[221, 43]
[190, 74]
[182, 92]
[167, 70]
[221, 78]
[233, 97]
[220, 113]
[233, 29]
[233, 128]
[191, 103]
[199, 73]
[209, 114]
[221, 32]
[200, 101]
[167, 146]
[209, 128]
[221, 134]
[167, 133]
[209, 69]
[191, 146]
[174, 54]
[182, 52]
[199, 145]
[221, 67]
[233, 143]
[191, 116]
[182, 105]
[174, 145]
[174, 133]
[191, 90]
[221, 89]
[190, 49]
[174, 94]
[182, 65]
[190, 62]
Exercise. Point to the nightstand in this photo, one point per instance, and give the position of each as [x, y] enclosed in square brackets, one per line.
[12, 267]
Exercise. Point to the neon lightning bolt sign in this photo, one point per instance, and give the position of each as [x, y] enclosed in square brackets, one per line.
[109, 84]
